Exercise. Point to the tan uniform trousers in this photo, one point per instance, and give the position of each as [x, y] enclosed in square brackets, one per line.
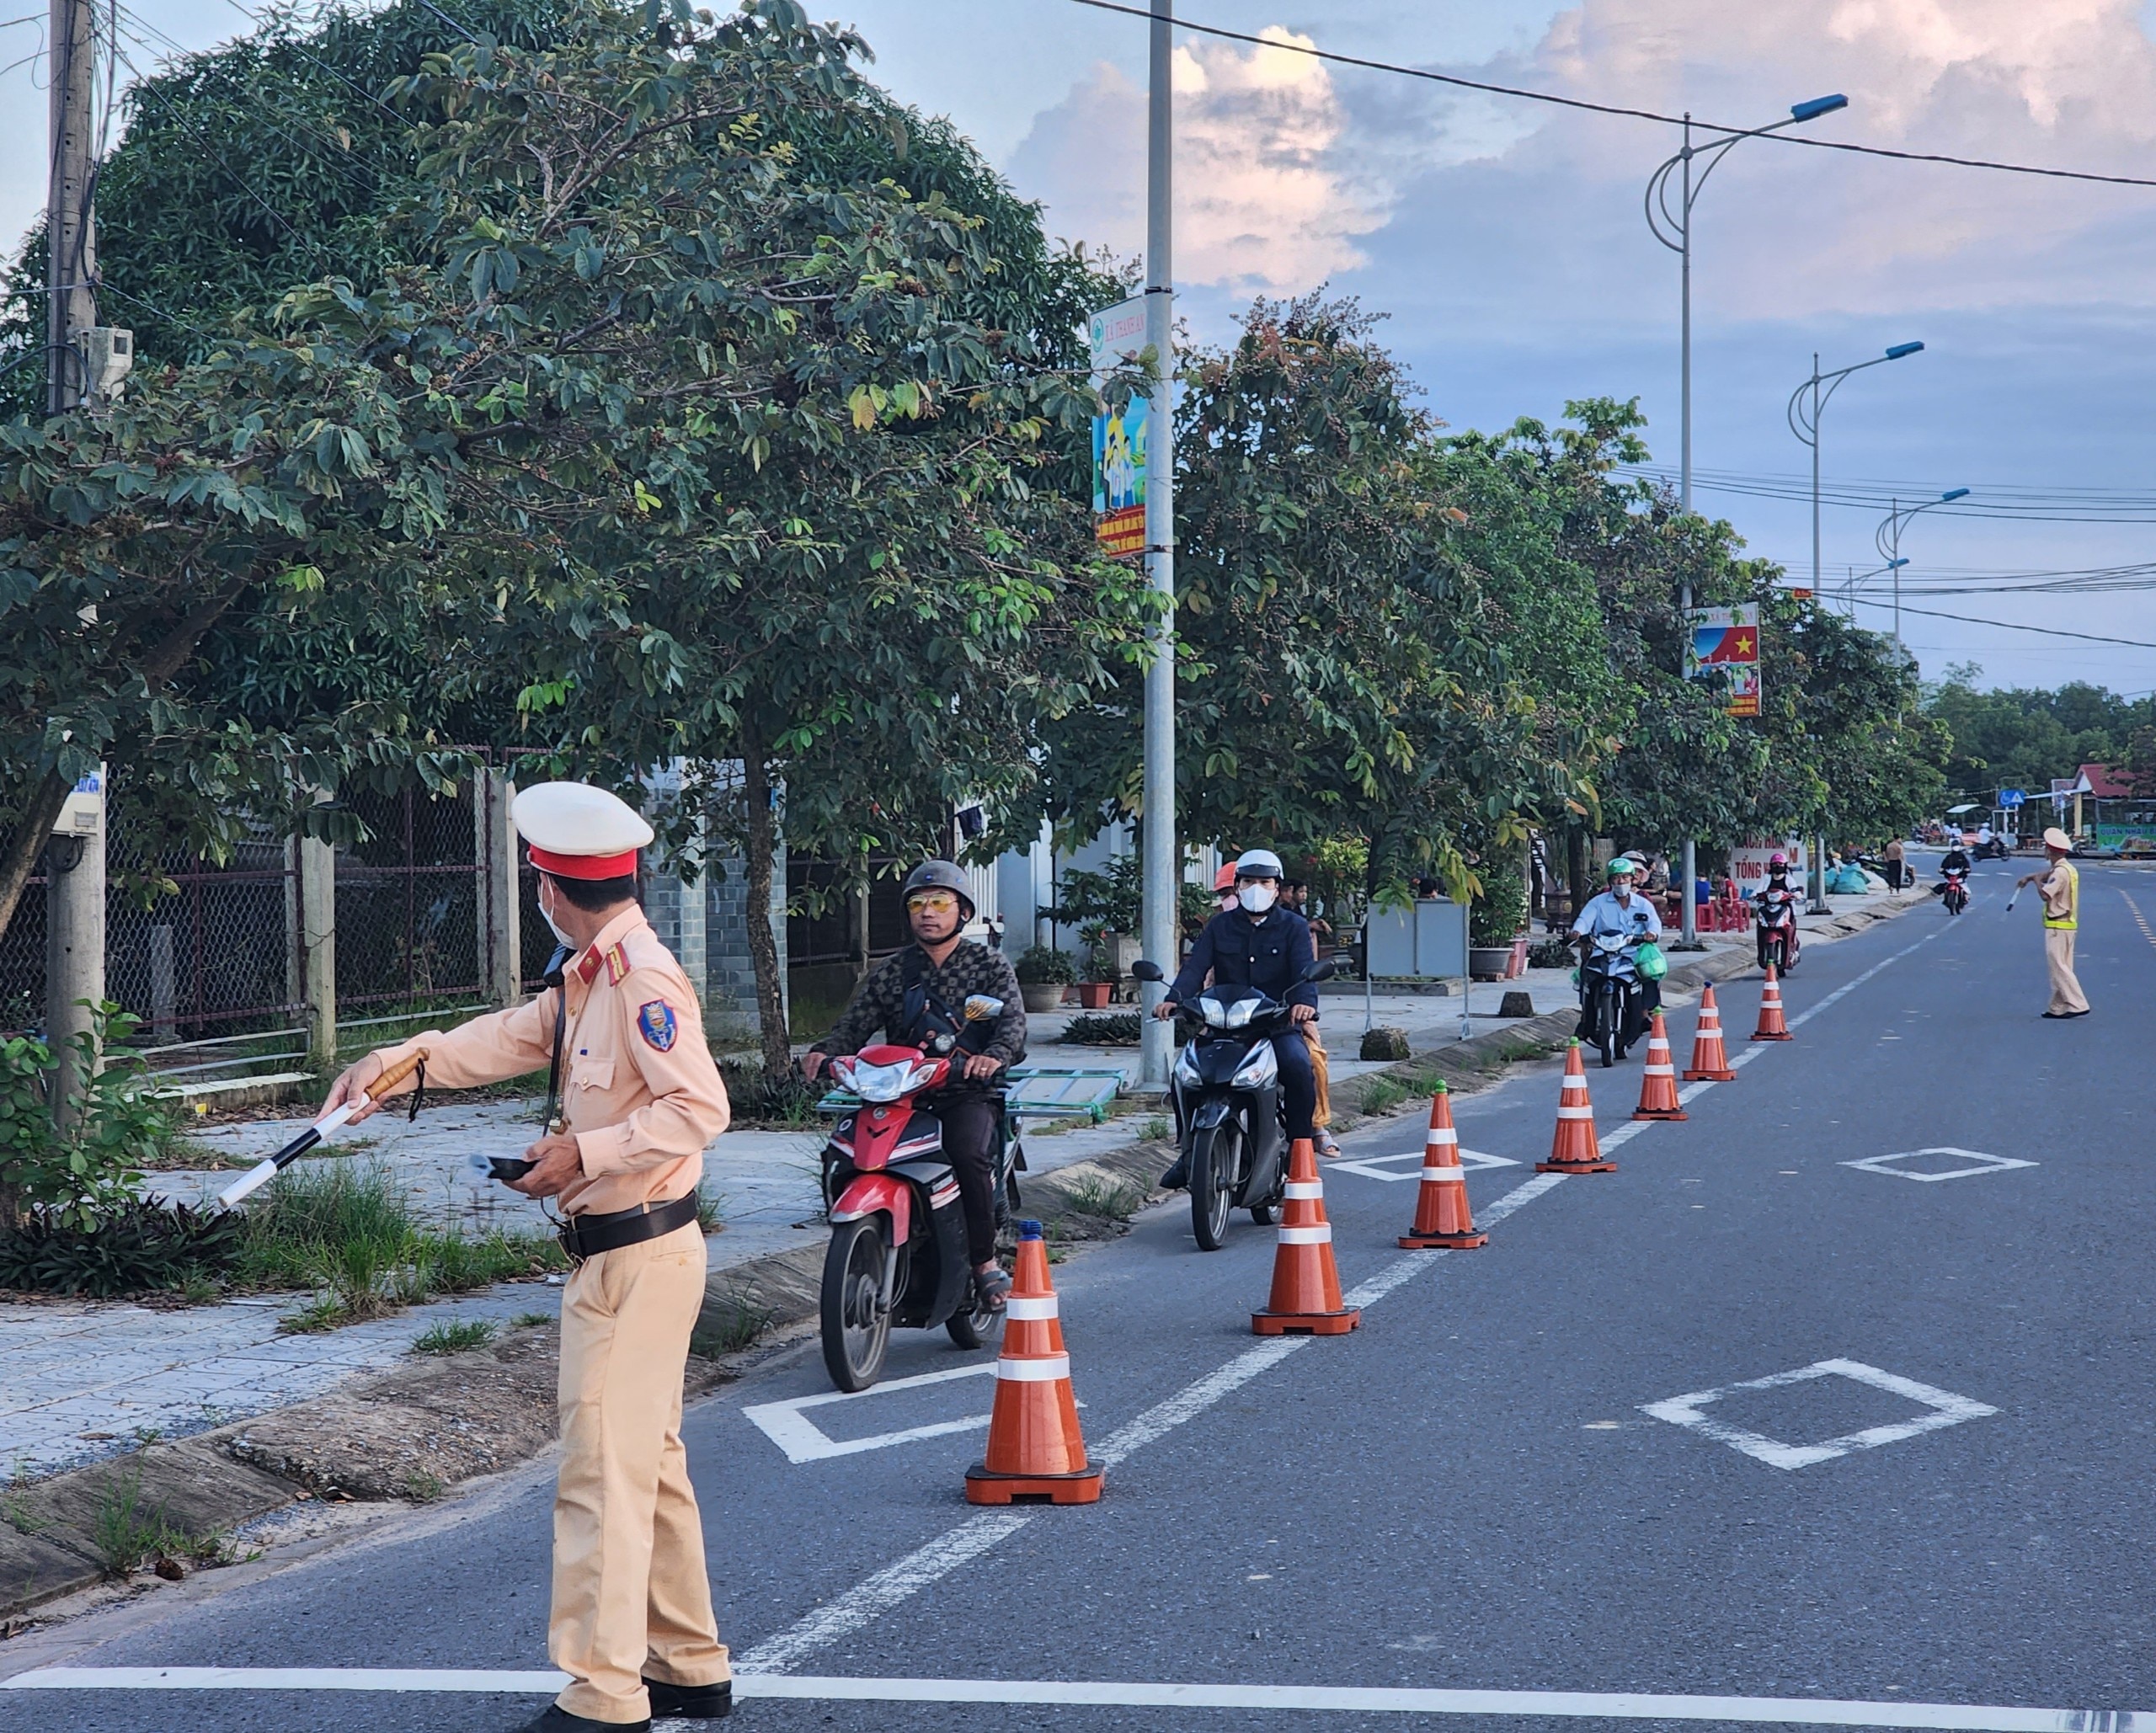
[631, 1597]
[2067, 996]
[1322, 1116]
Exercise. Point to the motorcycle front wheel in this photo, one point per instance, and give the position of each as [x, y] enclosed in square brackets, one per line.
[856, 1327]
[1213, 1173]
[1605, 1034]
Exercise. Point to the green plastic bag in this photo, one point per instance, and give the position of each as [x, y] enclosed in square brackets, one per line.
[1650, 961]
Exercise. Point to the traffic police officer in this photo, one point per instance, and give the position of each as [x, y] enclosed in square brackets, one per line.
[632, 1621]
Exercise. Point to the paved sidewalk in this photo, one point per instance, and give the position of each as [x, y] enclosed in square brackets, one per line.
[82, 1380]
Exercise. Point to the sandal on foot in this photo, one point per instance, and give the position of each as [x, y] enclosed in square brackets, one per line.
[991, 1289]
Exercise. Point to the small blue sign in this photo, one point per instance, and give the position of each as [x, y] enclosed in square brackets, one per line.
[2008, 798]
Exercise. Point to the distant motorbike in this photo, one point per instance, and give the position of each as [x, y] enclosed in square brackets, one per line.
[1995, 850]
[1775, 926]
[898, 1251]
[1953, 890]
[1226, 1096]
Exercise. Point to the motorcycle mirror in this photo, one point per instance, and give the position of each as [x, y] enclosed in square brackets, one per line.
[1322, 971]
[981, 1006]
[1145, 971]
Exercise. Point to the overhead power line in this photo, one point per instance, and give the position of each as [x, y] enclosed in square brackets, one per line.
[2012, 625]
[1554, 100]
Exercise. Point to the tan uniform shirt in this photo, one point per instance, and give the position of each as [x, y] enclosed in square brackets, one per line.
[639, 1091]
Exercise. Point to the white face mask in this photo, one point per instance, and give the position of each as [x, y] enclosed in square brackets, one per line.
[546, 915]
[1258, 895]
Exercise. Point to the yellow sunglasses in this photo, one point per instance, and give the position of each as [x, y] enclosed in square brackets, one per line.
[932, 903]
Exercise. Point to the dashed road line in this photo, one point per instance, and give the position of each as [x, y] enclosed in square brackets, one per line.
[2139, 919]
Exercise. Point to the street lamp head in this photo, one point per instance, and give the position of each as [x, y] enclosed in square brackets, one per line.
[1900, 350]
[1818, 106]
[1896, 565]
[1958, 493]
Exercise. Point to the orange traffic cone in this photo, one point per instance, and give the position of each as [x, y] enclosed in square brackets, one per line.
[1575, 1150]
[1306, 1285]
[1710, 1063]
[1771, 1025]
[1658, 1088]
[1441, 1218]
[1034, 1448]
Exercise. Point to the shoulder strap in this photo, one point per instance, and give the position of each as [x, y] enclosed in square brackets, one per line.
[556, 966]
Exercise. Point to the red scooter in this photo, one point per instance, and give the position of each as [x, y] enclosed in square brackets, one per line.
[1775, 911]
[898, 1252]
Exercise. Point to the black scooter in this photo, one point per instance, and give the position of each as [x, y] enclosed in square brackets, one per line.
[1227, 1095]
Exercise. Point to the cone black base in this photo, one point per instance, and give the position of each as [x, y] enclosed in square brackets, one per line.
[1680, 1114]
[983, 1485]
[1442, 1242]
[1306, 1323]
[1710, 1077]
[1575, 1167]
[1757, 1036]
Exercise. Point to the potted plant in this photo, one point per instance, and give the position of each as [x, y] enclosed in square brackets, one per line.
[1496, 952]
[1104, 907]
[1097, 990]
[1044, 973]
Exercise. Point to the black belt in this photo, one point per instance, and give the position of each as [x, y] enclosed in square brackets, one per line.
[585, 1236]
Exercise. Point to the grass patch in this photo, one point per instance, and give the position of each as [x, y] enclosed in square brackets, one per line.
[711, 1212]
[737, 1325]
[1102, 1029]
[1155, 1129]
[348, 1231]
[423, 1488]
[1117, 1199]
[128, 1535]
[526, 1320]
[455, 1338]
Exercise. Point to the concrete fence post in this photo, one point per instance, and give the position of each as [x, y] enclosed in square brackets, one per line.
[317, 876]
[501, 930]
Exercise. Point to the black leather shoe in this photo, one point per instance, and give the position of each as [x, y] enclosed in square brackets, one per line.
[690, 1703]
[1177, 1177]
[554, 1718]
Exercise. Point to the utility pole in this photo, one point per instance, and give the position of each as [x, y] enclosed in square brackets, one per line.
[1687, 905]
[1162, 856]
[75, 866]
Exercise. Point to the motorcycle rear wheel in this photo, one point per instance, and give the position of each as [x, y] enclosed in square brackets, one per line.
[976, 1329]
[1213, 1173]
[857, 1330]
[1605, 1034]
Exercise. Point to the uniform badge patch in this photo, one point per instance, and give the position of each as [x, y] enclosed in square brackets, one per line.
[655, 1023]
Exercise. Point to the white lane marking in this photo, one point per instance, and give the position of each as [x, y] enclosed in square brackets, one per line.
[1115, 1693]
[1186, 1404]
[1380, 1167]
[1984, 1164]
[871, 1598]
[803, 1441]
[281, 1678]
[1849, 987]
[1947, 1409]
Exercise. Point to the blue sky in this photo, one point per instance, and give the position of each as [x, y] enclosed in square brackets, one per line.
[1506, 241]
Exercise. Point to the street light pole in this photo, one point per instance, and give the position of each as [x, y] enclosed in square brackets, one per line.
[1888, 541]
[1804, 423]
[1673, 229]
[1159, 856]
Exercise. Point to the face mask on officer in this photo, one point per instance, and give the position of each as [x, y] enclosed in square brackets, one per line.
[1258, 894]
[546, 912]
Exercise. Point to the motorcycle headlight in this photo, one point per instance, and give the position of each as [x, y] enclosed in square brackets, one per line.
[1215, 1013]
[882, 1083]
[1240, 1014]
[1259, 1070]
[1187, 1068]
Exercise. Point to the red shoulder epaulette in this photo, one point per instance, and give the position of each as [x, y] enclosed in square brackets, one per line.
[617, 964]
[587, 966]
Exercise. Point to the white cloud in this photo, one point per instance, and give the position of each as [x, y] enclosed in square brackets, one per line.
[1263, 199]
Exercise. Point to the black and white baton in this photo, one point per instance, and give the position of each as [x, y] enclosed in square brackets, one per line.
[266, 1170]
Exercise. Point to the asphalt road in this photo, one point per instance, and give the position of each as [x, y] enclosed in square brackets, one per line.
[1468, 1494]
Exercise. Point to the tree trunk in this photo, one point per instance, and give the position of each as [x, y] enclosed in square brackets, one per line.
[1576, 866]
[759, 837]
[18, 859]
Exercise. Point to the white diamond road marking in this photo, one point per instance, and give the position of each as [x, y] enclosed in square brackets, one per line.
[803, 1441]
[1380, 1167]
[1946, 1408]
[1984, 1164]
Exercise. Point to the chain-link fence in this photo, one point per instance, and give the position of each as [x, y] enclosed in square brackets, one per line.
[22, 963]
[211, 954]
[409, 927]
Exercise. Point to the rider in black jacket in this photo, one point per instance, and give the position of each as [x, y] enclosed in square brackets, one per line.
[1258, 944]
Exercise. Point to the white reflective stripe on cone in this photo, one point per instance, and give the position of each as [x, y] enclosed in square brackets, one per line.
[1444, 1175]
[1306, 1236]
[1662, 1071]
[1304, 1188]
[1576, 1112]
[1442, 1134]
[1042, 1370]
[1034, 1307]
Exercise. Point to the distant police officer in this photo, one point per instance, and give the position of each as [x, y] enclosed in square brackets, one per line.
[632, 1620]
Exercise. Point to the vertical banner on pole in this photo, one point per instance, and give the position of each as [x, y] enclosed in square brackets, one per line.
[1116, 335]
[1726, 641]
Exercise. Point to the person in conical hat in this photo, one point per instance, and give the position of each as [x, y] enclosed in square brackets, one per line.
[619, 1030]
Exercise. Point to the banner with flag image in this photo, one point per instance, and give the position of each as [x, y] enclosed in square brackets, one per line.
[1726, 641]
